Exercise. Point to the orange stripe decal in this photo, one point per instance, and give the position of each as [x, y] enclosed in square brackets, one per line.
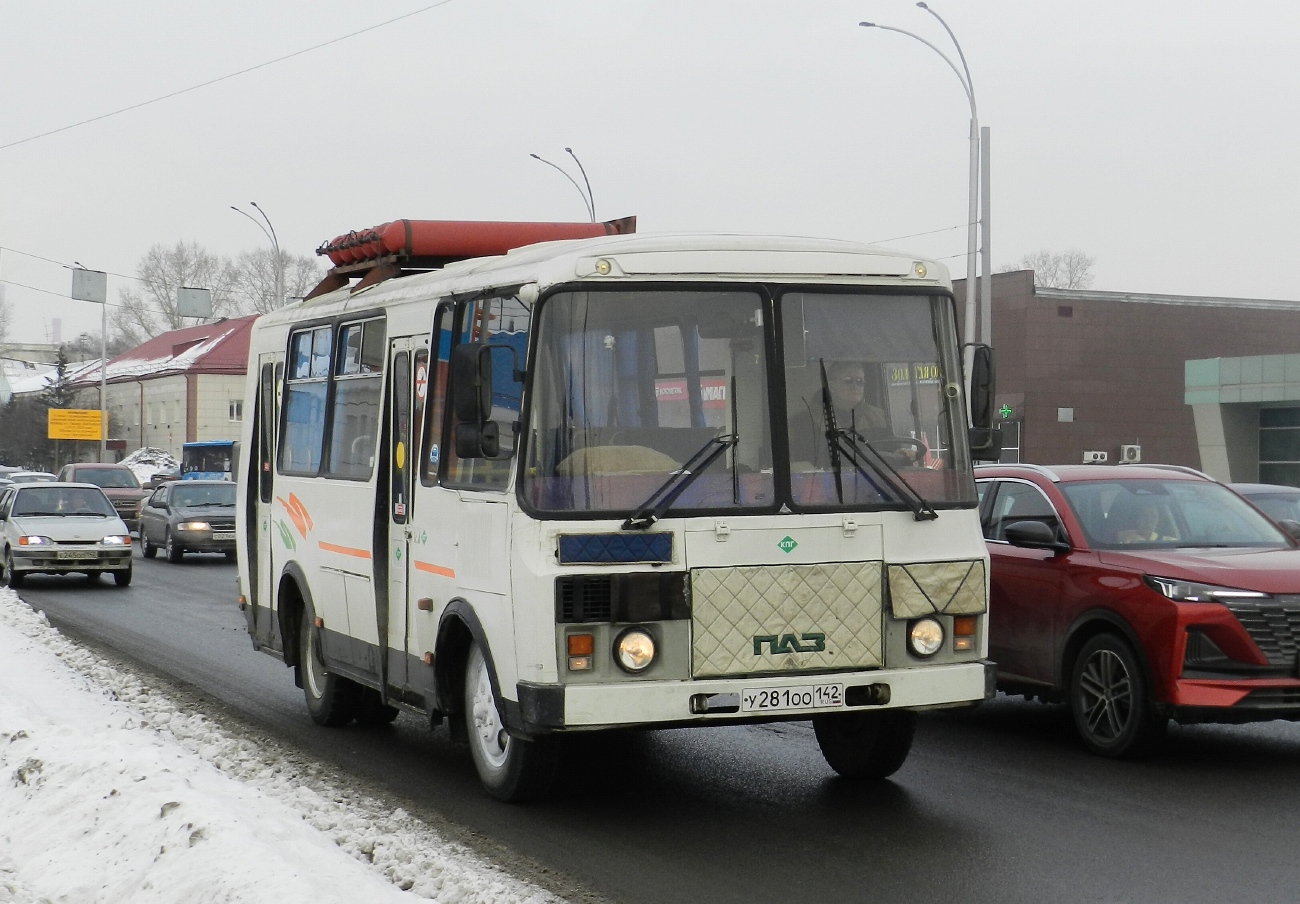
[433, 569]
[344, 550]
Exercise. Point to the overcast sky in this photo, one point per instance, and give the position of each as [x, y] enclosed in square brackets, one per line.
[1160, 138]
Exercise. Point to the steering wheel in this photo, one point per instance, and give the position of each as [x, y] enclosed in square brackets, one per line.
[899, 443]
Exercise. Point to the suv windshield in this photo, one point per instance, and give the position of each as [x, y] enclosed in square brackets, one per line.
[1146, 513]
[61, 502]
[110, 478]
[209, 494]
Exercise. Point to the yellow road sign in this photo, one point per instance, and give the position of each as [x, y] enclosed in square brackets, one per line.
[74, 423]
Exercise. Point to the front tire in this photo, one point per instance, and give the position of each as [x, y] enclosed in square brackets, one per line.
[331, 699]
[175, 554]
[1109, 700]
[147, 549]
[122, 578]
[865, 745]
[510, 768]
[12, 577]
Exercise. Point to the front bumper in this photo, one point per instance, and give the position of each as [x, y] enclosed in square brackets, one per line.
[204, 541]
[46, 561]
[1234, 701]
[663, 704]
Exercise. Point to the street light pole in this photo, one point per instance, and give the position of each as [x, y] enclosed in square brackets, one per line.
[586, 196]
[970, 333]
[269, 231]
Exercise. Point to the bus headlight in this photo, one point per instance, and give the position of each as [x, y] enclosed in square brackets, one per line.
[925, 636]
[634, 650]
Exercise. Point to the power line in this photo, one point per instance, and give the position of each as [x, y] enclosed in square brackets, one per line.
[222, 78]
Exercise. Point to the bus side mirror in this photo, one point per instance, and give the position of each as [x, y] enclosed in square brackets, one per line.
[985, 439]
[471, 399]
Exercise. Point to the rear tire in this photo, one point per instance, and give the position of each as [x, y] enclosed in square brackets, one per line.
[511, 769]
[13, 578]
[1110, 701]
[865, 745]
[175, 554]
[331, 699]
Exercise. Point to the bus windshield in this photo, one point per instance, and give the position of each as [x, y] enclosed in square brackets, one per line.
[628, 386]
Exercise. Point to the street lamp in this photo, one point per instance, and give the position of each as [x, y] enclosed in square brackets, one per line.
[587, 200]
[269, 231]
[972, 332]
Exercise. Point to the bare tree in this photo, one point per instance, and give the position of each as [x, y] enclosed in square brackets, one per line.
[253, 279]
[1070, 269]
[148, 308]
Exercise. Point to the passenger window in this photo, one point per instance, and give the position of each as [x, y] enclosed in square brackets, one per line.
[303, 435]
[436, 392]
[1020, 502]
[358, 385]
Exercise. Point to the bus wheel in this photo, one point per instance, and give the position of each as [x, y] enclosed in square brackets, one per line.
[331, 699]
[510, 768]
[865, 744]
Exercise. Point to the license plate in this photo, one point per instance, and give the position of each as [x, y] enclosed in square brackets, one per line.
[223, 535]
[75, 554]
[786, 699]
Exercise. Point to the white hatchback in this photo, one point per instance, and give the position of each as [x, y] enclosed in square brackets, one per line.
[60, 528]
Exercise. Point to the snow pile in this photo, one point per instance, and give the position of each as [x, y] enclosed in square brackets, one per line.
[111, 793]
[147, 461]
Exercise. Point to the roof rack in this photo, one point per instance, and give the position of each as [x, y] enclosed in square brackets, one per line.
[1182, 468]
[1045, 471]
[403, 247]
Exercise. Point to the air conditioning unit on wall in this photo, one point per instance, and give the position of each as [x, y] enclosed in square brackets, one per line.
[1130, 454]
[1094, 458]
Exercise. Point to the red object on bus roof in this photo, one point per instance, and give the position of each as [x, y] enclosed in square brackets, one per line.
[458, 239]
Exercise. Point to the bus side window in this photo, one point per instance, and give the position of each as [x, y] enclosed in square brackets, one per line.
[435, 395]
[304, 402]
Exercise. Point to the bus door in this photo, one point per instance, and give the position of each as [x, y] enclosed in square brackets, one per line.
[265, 563]
[408, 387]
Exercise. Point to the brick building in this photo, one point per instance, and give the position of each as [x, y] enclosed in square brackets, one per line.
[1210, 383]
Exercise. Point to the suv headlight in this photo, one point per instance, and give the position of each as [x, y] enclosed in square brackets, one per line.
[1195, 592]
[192, 525]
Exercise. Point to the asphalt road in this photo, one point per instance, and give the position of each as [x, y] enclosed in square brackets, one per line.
[999, 805]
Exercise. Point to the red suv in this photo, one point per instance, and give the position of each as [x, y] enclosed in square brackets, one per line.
[1139, 594]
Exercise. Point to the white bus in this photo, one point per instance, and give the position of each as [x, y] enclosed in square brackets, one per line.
[614, 482]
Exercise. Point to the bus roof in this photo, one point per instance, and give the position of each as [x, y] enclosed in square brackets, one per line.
[651, 257]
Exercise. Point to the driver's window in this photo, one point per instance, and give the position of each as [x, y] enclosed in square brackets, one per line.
[1020, 502]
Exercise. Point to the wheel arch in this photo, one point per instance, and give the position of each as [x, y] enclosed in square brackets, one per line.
[292, 597]
[459, 628]
[1087, 626]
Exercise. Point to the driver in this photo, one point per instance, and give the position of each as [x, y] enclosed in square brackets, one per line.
[847, 383]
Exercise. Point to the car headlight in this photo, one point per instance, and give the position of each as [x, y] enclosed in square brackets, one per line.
[35, 541]
[193, 525]
[634, 650]
[117, 540]
[1194, 592]
[925, 636]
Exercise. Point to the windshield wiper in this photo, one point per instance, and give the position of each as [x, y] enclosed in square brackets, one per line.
[662, 499]
[202, 504]
[845, 443]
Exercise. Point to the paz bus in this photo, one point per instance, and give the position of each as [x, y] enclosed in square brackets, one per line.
[537, 479]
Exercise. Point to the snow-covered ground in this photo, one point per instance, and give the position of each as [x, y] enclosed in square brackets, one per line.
[110, 792]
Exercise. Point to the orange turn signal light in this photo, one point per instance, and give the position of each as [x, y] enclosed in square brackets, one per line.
[963, 626]
[580, 644]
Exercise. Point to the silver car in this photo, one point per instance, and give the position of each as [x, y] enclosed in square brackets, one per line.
[60, 528]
